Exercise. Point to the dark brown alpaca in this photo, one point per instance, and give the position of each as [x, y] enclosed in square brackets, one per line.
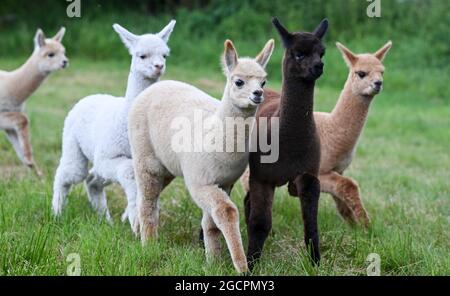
[299, 155]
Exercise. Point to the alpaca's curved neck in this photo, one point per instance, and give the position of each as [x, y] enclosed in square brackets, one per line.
[26, 79]
[136, 84]
[296, 106]
[351, 112]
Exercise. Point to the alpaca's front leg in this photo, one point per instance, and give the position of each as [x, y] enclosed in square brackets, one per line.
[211, 236]
[308, 190]
[17, 125]
[347, 197]
[214, 201]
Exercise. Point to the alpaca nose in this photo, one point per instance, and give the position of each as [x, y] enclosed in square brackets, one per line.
[378, 83]
[159, 66]
[319, 67]
[65, 62]
[258, 93]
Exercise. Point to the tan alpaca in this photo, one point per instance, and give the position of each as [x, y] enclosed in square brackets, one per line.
[339, 131]
[16, 87]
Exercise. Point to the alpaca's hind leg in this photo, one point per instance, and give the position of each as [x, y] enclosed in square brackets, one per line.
[72, 170]
[308, 189]
[258, 208]
[97, 197]
[214, 201]
[347, 197]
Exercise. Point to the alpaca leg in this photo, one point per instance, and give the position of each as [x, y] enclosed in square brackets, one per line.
[347, 192]
[258, 208]
[13, 137]
[97, 198]
[211, 236]
[308, 189]
[72, 170]
[214, 201]
[18, 122]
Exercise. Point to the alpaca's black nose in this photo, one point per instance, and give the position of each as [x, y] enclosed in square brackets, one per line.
[319, 67]
[378, 83]
[258, 93]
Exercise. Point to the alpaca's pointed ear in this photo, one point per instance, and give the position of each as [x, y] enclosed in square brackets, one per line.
[59, 36]
[230, 56]
[165, 33]
[349, 57]
[39, 38]
[264, 56]
[381, 53]
[286, 37]
[128, 38]
[321, 29]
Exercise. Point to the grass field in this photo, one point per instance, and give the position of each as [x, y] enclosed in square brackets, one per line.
[402, 165]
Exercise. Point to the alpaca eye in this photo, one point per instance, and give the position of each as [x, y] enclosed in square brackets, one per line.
[263, 83]
[299, 56]
[239, 83]
[143, 57]
[361, 74]
[52, 54]
[164, 56]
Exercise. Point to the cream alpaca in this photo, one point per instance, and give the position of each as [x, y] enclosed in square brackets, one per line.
[340, 130]
[209, 177]
[95, 129]
[17, 86]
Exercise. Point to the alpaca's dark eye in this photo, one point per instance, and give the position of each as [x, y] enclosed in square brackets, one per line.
[143, 56]
[52, 54]
[361, 74]
[299, 57]
[239, 83]
[263, 83]
[165, 56]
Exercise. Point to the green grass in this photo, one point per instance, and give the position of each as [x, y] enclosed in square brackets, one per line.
[402, 165]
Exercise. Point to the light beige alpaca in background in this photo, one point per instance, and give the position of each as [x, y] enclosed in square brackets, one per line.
[17, 86]
[340, 130]
[209, 176]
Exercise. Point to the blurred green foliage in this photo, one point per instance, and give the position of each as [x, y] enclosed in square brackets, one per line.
[419, 28]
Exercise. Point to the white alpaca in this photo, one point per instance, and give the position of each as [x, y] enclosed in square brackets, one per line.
[95, 129]
[209, 176]
[17, 86]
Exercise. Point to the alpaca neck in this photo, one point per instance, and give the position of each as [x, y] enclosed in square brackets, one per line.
[296, 107]
[26, 79]
[136, 84]
[350, 113]
[228, 110]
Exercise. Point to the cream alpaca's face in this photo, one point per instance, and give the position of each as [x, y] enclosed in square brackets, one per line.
[51, 53]
[149, 51]
[246, 76]
[366, 70]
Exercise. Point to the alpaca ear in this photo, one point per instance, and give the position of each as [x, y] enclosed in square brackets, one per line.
[349, 57]
[264, 56]
[230, 56]
[59, 36]
[39, 38]
[381, 53]
[321, 29]
[165, 33]
[286, 37]
[128, 38]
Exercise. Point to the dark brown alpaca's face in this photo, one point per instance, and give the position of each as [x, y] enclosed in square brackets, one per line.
[304, 57]
[304, 52]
